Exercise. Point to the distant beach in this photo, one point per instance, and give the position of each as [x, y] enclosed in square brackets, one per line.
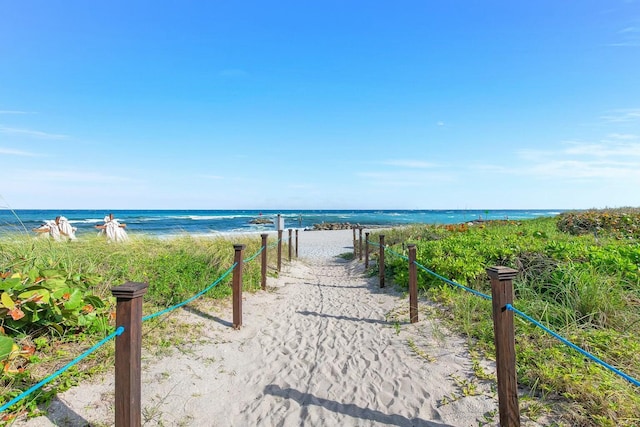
[168, 223]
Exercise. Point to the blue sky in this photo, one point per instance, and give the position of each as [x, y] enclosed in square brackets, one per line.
[319, 105]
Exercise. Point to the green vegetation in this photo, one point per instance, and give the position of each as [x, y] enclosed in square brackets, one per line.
[56, 295]
[579, 275]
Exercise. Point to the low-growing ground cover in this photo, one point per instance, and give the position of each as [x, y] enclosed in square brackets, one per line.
[585, 286]
[55, 299]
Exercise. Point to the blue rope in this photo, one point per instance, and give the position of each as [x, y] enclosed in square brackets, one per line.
[373, 243]
[451, 282]
[573, 346]
[251, 258]
[274, 244]
[35, 387]
[185, 302]
[397, 254]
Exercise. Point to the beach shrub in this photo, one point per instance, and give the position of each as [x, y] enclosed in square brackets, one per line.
[622, 222]
[585, 285]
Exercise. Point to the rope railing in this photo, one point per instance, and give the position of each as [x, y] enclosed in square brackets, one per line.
[502, 301]
[128, 336]
[252, 257]
[60, 371]
[573, 346]
[193, 298]
[451, 282]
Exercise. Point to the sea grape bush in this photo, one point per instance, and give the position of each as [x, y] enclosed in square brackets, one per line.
[624, 222]
[37, 300]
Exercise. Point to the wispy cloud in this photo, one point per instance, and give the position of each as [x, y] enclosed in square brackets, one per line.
[629, 30]
[604, 149]
[411, 164]
[405, 178]
[628, 37]
[30, 133]
[15, 112]
[610, 159]
[622, 116]
[12, 152]
[623, 136]
[68, 176]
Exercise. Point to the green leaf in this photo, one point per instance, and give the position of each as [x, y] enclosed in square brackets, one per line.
[52, 283]
[95, 301]
[7, 301]
[52, 274]
[34, 274]
[6, 346]
[43, 293]
[12, 283]
[75, 300]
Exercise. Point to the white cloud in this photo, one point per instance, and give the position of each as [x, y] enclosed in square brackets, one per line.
[30, 133]
[11, 152]
[66, 176]
[413, 164]
[624, 136]
[604, 149]
[622, 116]
[629, 30]
[405, 178]
[614, 162]
[440, 123]
[14, 112]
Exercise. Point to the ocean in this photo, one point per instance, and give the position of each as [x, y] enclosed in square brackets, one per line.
[169, 223]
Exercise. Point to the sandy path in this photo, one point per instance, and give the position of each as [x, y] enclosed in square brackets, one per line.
[319, 348]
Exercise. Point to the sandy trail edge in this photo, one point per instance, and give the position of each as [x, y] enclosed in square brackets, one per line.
[323, 346]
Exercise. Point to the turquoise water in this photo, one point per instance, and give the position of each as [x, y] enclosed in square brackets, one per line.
[163, 223]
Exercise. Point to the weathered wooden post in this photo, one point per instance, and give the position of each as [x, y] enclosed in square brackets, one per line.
[355, 248]
[366, 250]
[504, 338]
[296, 243]
[413, 284]
[360, 245]
[290, 243]
[237, 286]
[263, 267]
[128, 353]
[381, 261]
[279, 250]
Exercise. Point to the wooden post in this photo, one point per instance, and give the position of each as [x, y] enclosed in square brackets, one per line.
[297, 243]
[263, 272]
[128, 353]
[381, 261]
[355, 248]
[504, 338]
[237, 286]
[290, 243]
[279, 250]
[413, 284]
[366, 250]
[360, 245]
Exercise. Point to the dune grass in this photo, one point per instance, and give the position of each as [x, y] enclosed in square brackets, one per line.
[77, 309]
